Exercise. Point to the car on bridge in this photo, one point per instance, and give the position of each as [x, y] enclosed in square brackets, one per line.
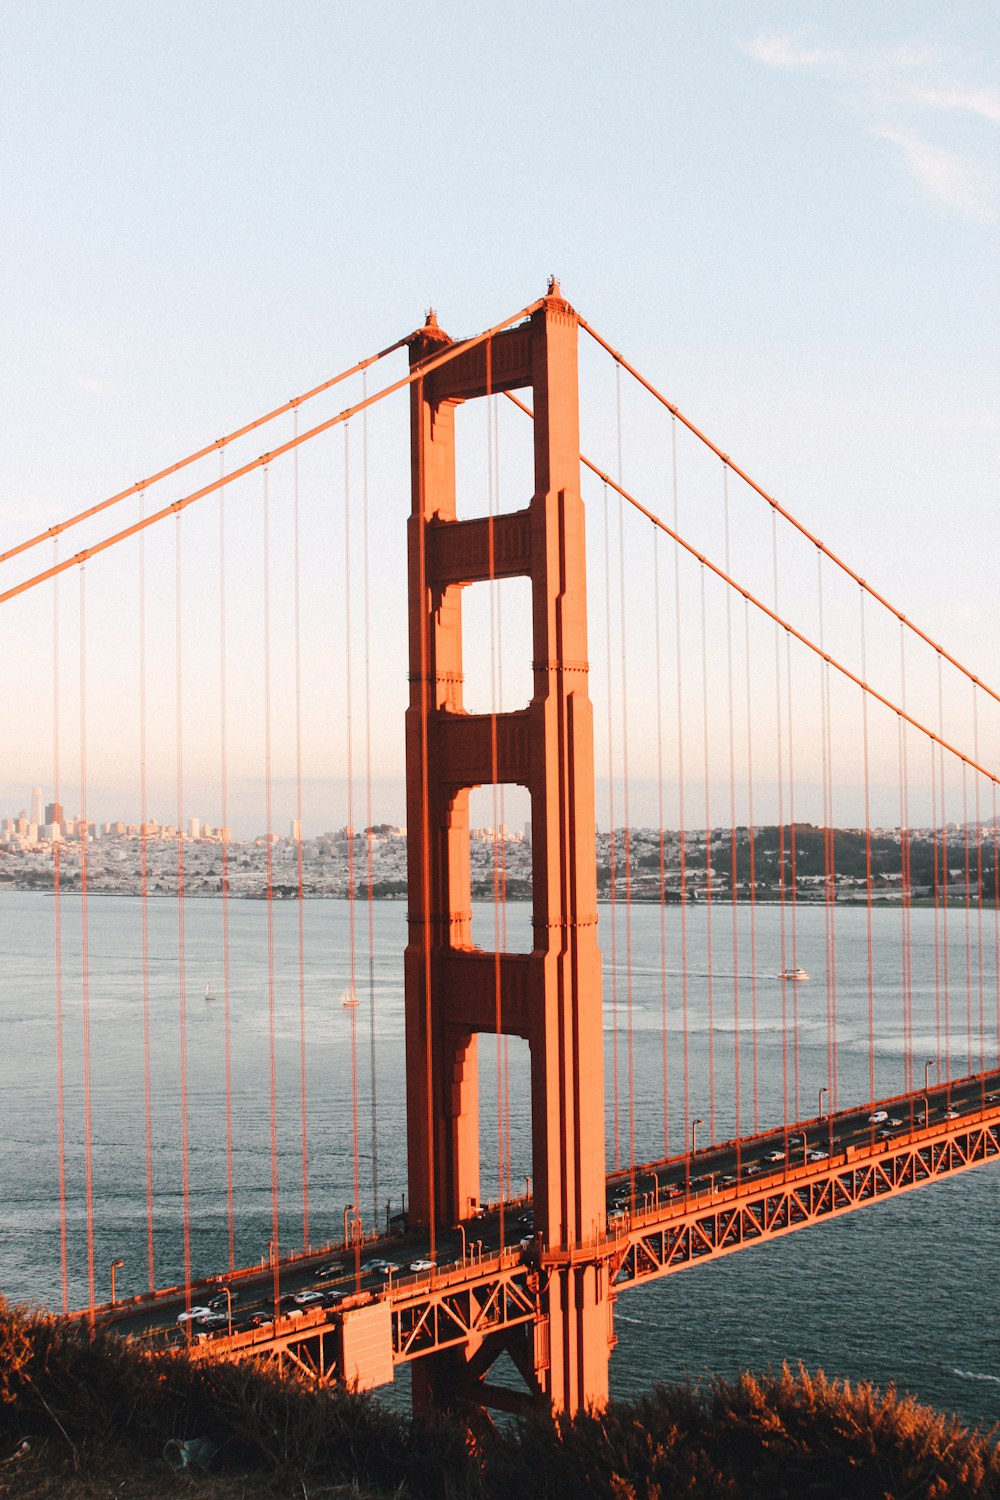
[192, 1313]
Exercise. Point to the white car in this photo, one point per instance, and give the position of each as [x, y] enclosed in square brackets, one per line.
[951, 1114]
[775, 1156]
[423, 1265]
[879, 1117]
[194, 1312]
[819, 1155]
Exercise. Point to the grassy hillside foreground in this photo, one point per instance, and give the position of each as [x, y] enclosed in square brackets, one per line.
[91, 1419]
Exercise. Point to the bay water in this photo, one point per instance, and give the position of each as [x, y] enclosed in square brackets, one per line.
[903, 1291]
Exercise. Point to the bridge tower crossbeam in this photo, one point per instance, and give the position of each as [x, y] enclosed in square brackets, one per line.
[552, 995]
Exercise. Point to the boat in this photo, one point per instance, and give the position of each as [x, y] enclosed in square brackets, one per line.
[349, 1000]
[210, 993]
[798, 975]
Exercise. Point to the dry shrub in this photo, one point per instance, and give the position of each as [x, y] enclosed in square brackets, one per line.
[96, 1407]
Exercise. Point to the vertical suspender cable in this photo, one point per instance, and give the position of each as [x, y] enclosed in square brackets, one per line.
[369, 813]
[996, 908]
[659, 804]
[57, 943]
[780, 780]
[88, 1144]
[905, 875]
[269, 902]
[144, 907]
[734, 862]
[979, 885]
[351, 904]
[868, 864]
[627, 830]
[710, 964]
[299, 871]
[494, 778]
[681, 833]
[752, 874]
[224, 852]
[968, 911]
[944, 882]
[829, 854]
[425, 818]
[793, 873]
[181, 966]
[507, 1191]
[613, 873]
[936, 852]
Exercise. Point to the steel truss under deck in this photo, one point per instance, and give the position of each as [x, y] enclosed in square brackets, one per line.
[494, 1299]
[667, 1240]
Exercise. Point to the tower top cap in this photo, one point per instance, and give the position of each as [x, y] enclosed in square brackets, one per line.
[554, 289]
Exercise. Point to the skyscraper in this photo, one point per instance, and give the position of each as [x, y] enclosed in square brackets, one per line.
[36, 806]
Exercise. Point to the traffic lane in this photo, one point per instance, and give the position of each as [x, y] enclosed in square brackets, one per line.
[830, 1135]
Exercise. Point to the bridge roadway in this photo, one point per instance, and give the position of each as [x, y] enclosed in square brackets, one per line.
[378, 1313]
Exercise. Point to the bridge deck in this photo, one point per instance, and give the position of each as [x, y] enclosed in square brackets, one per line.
[692, 1209]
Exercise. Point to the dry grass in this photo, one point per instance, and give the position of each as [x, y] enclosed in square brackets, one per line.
[86, 1420]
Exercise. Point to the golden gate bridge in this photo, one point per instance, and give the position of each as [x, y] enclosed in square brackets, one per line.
[753, 684]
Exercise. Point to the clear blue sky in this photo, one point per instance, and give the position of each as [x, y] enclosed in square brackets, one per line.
[786, 212]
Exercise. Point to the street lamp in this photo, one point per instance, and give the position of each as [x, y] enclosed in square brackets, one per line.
[350, 1209]
[461, 1229]
[694, 1134]
[229, 1305]
[527, 1189]
[116, 1265]
[822, 1091]
[930, 1063]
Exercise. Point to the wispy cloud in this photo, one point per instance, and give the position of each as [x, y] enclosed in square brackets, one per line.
[894, 86]
[953, 179]
[974, 101]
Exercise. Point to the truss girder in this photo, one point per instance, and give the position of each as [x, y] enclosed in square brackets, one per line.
[740, 1216]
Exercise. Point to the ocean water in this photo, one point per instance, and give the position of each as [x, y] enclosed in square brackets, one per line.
[903, 1291]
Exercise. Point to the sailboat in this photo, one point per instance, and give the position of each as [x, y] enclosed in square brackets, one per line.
[349, 1000]
[210, 993]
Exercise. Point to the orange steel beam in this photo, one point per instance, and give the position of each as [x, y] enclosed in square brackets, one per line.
[551, 996]
[786, 515]
[418, 372]
[216, 446]
[771, 614]
[671, 1239]
[463, 1312]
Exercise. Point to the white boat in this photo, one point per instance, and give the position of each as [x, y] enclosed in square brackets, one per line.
[349, 1000]
[798, 975]
[209, 993]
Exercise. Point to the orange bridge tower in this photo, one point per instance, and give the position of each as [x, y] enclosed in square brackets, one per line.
[552, 995]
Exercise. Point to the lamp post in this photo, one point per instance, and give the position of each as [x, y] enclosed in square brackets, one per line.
[527, 1189]
[229, 1306]
[930, 1063]
[822, 1091]
[461, 1229]
[350, 1209]
[694, 1134]
[116, 1265]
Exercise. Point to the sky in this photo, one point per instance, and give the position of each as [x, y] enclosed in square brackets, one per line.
[786, 214]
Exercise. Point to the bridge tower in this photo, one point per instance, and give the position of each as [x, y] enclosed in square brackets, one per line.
[552, 995]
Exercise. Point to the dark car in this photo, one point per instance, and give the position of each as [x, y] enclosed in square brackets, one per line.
[222, 1303]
